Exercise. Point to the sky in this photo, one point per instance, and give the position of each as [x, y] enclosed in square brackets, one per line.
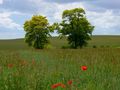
[103, 14]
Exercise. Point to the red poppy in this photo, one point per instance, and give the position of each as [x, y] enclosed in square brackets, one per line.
[62, 85]
[69, 82]
[57, 85]
[10, 65]
[84, 68]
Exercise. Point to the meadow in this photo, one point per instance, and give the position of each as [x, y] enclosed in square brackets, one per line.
[24, 68]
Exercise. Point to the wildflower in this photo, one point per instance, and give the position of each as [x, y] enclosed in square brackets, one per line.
[10, 65]
[62, 85]
[84, 68]
[57, 85]
[69, 82]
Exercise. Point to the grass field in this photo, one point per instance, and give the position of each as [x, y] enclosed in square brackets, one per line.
[24, 68]
[98, 41]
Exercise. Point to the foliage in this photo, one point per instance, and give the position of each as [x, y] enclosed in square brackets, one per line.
[94, 46]
[76, 26]
[37, 31]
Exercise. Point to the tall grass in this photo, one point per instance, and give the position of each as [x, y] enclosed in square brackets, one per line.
[40, 69]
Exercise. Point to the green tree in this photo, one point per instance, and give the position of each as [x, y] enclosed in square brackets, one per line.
[37, 31]
[76, 27]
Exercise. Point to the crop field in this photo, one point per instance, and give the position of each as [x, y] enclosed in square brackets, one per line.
[54, 68]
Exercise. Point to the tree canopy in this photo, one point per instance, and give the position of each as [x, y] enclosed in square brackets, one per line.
[37, 31]
[76, 26]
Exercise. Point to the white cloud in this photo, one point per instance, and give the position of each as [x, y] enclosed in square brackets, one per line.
[1, 1]
[7, 22]
[53, 10]
[104, 22]
[61, 7]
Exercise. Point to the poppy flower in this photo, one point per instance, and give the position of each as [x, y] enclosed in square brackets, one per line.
[10, 65]
[84, 68]
[69, 82]
[57, 85]
[62, 85]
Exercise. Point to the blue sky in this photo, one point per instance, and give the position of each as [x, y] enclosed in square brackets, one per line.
[103, 14]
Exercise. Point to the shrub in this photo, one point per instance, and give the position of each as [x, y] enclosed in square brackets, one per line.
[94, 46]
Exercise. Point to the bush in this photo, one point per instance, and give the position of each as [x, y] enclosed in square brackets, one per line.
[65, 47]
[94, 46]
[102, 46]
[107, 46]
[48, 46]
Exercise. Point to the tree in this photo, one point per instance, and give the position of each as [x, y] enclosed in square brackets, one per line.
[37, 31]
[76, 27]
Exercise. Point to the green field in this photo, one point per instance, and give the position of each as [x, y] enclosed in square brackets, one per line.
[24, 68]
[57, 43]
